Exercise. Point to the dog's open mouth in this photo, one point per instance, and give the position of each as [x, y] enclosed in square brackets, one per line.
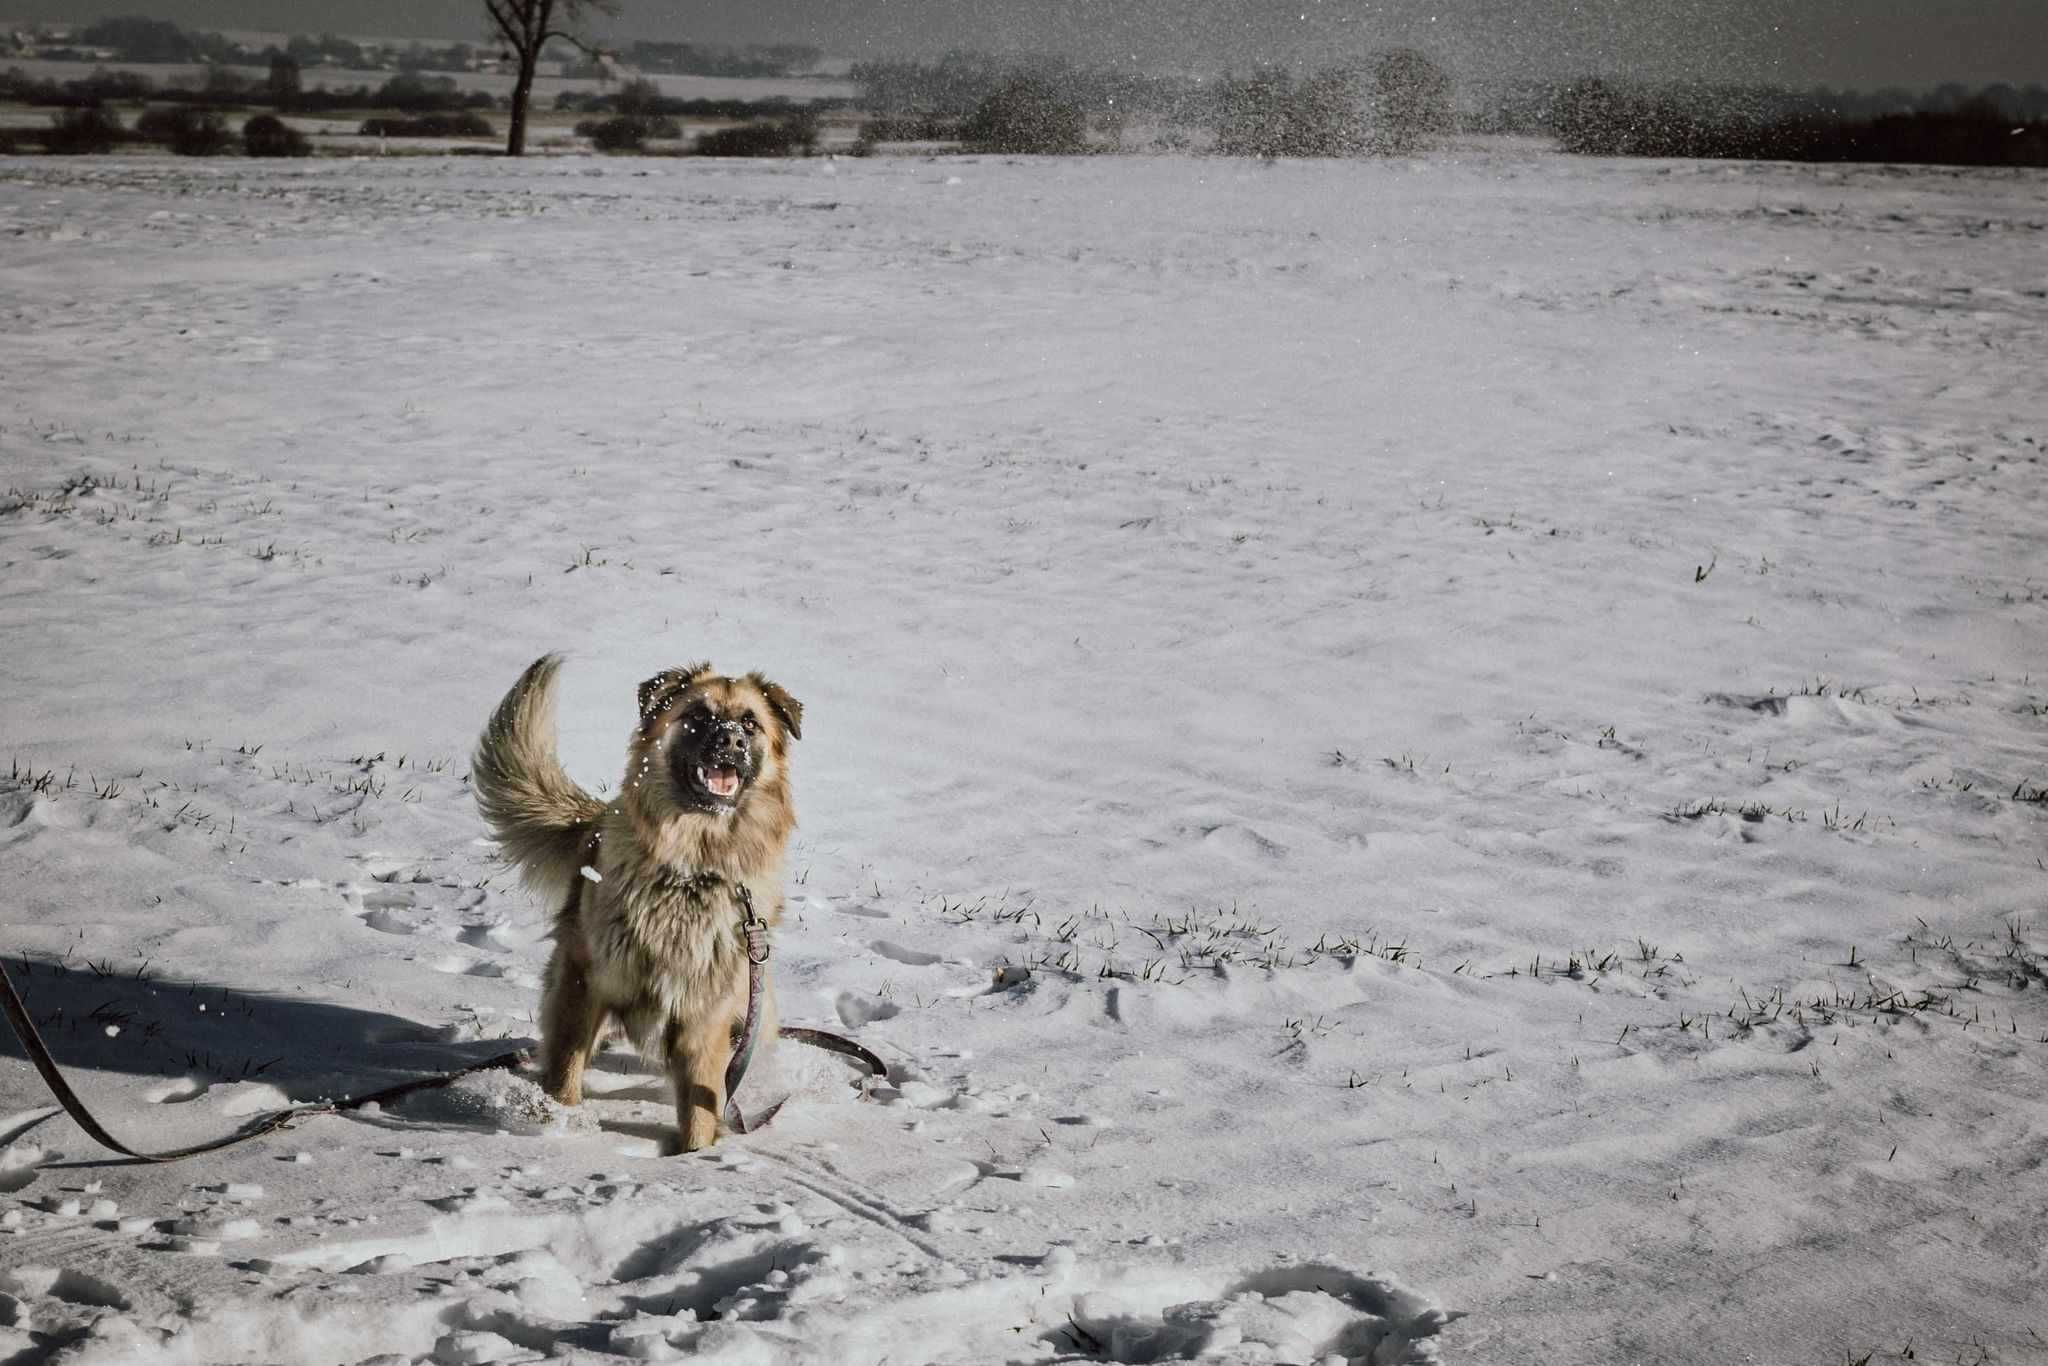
[722, 783]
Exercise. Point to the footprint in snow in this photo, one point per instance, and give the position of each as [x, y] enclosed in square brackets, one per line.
[847, 907]
[175, 1092]
[1006, 977]
[1288, 1313]
[855, 1011]
[1242, 841]
[496, 937]
[913, 958]
[461, 965]
[389, 920]
[19, 1165]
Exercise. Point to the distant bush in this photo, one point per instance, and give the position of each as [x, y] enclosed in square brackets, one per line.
[627, 132]
[619, 133]
[81, 132]
[638, 97]
[267, 135]
[187, 131]
[1252, 114]
[793, 136]
[1270, 114]
[155, 123]
[1335, 112]
[1328, 116]
[1027, 114]
[1593, 118]
[418, 94]
[1411, 102]
[203, 133]
[445, 125]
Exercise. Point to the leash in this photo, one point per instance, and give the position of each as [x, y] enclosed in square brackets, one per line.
[752, 927]
[39, 1054]
[755, 932]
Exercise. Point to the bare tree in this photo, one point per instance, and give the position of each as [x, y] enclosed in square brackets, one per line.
[527, 26]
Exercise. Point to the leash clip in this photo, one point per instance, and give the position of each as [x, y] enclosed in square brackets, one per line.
[753, 927]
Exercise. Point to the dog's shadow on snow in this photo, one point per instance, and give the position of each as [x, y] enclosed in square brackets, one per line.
[247, 1054]
[195, 1037]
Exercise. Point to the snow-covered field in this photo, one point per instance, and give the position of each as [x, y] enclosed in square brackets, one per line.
[1409, 761]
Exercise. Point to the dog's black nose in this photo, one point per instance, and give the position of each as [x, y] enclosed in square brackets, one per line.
[728, 742]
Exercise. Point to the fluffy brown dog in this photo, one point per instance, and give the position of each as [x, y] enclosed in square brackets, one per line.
[654, 939]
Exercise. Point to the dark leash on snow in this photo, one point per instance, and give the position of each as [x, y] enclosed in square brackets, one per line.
[752, 927]
[755, 930]
[39, 1054]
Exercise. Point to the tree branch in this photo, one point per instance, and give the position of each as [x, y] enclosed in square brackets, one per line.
[573, 41]
[572, 12]
[503, 19]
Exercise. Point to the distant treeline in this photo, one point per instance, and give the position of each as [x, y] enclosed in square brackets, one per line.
[953, 85]
[1397, 103]
[182, 129]
[642, 99]
[1401, 100]
[407, 91]
[1602, 119]
[1539, 107]
[704, 59]
[1394, 103]
[133, 38]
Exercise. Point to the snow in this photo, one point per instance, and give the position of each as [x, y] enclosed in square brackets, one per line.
[1407, 761]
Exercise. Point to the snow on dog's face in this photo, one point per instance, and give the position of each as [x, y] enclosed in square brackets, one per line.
[715, 739]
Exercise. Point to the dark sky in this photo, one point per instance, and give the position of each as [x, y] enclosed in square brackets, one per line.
[1849, 43]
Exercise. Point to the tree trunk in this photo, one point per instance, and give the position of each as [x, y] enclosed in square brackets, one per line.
[522, 91]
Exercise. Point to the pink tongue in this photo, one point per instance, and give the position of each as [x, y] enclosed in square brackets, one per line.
[723, 782]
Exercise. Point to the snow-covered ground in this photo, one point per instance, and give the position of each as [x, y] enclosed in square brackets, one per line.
[1408, 760]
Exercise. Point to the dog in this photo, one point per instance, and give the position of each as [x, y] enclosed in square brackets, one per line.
[652, 887]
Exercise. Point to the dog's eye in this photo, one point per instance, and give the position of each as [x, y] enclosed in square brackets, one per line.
[749, 724]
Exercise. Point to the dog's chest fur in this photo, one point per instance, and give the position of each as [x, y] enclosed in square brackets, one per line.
[664, 944]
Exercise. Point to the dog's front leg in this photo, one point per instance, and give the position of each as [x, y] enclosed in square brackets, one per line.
[570, 1018]
[698, 1052]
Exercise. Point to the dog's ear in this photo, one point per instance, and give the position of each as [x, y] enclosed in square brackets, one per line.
[786, 708]
[657, 692]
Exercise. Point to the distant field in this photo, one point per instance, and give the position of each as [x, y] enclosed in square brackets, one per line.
[545, 88]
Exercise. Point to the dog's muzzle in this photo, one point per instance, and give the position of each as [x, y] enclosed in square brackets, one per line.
[728, 760]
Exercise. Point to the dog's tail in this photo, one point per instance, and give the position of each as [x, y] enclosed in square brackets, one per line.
[536, 809]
